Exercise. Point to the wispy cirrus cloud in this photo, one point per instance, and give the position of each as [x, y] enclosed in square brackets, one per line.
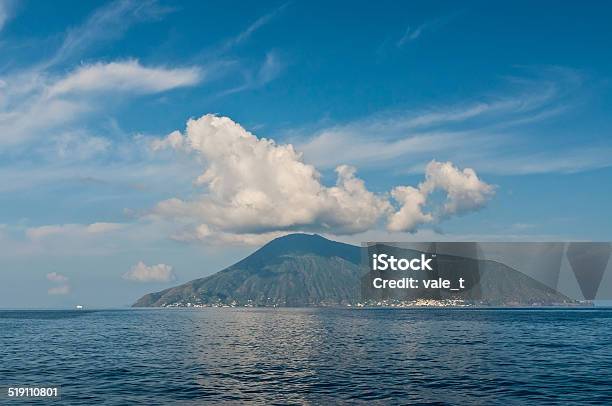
[98, 239]
[411, 34]
[72, 230]
[40, 101]
[37, 101]
[270, 68]
[487, 134]
[253, 75]
[414, 32]
[256, 25]
[571, 159]
[5, 12]
[107, 23]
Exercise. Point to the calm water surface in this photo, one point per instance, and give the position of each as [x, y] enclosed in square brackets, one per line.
[318, 356]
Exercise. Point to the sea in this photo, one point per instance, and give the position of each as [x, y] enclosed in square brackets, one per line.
[315, 356]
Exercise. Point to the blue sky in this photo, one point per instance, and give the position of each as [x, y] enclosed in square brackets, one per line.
[98, 206]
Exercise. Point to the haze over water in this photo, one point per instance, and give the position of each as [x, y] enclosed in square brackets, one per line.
[315, 356]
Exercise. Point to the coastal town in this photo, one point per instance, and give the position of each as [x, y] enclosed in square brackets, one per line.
[386, 303]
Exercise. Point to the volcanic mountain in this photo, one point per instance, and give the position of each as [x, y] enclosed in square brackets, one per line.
[300, 270]
[294, 270]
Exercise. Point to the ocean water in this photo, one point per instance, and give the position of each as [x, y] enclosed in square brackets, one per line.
[318, 356]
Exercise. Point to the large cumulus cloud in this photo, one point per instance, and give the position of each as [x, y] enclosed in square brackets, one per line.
[253, 186]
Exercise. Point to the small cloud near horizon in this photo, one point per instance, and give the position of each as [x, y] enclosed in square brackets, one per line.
[62, 282]
[153, 273]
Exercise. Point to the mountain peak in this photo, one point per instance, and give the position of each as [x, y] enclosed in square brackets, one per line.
[298, 238]
[302, 243]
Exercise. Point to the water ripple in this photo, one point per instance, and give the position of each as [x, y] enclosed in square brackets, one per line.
[303, 356]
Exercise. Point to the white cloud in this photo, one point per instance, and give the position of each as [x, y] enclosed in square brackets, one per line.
[29, 104]
[251, 29]
[571, 159]
[34, 104]
[17, 123]
[154, 273]
[73, 145]
[410, 215]
[356, 147]
[95, 228]
[499, 133]
[100, 240]
[108, 22]
[255, 187]
[59, 290]
[410, 35]
[385, 138]
[464, 190]
[428, 234]
[203, 233]
[270, 68]
[56, 277]
[124, 76]
[35, 233]
[174, 140]
[4, 13]
[71, 230]
[62, 284]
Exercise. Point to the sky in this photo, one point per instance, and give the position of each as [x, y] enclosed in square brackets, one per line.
[148, 143]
